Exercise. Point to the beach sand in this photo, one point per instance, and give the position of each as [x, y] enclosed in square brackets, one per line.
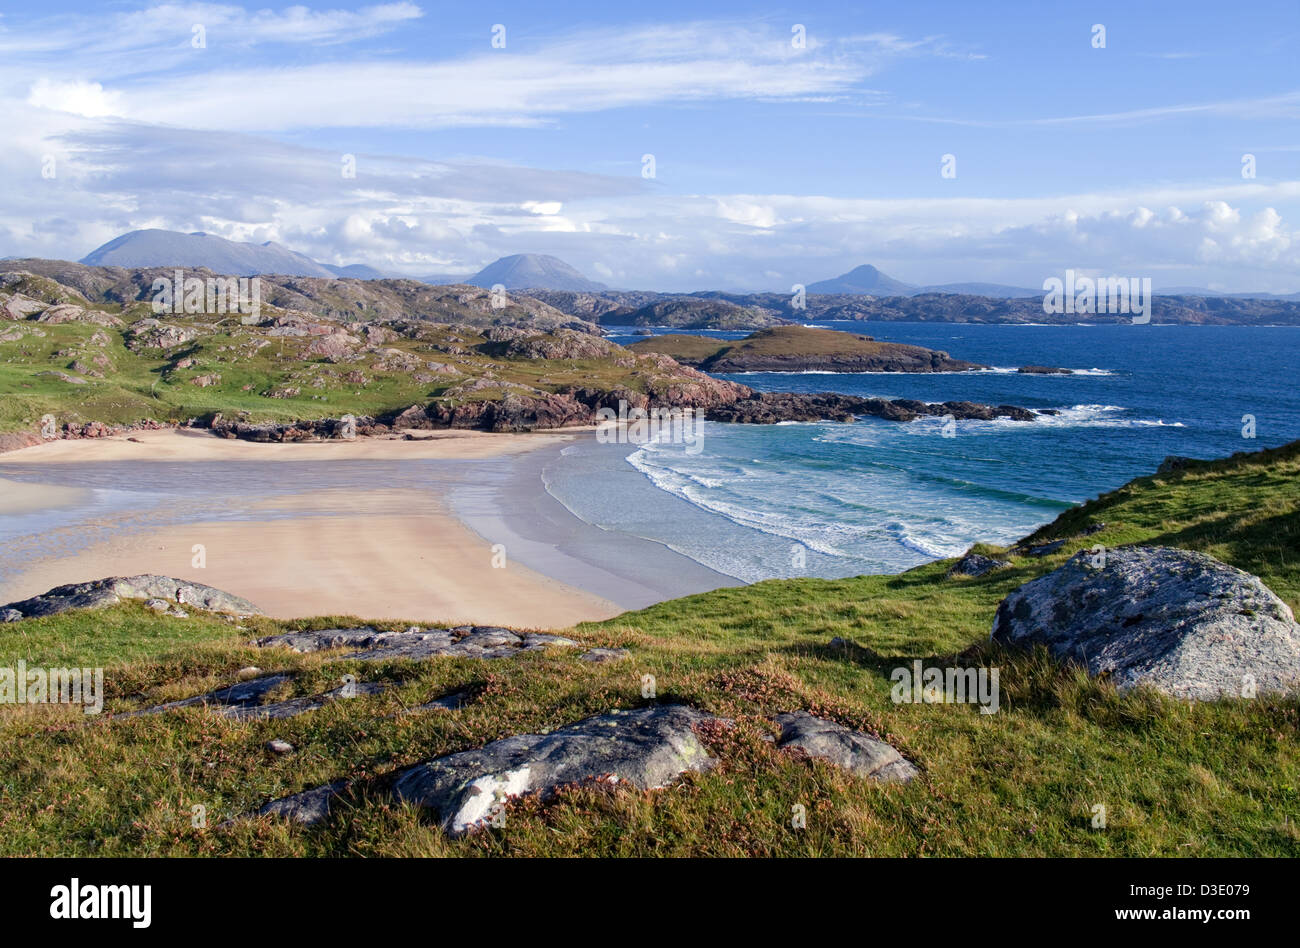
[377, 554]
[19, 497]
[189, 444]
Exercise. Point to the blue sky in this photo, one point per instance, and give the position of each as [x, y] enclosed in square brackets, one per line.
[773, 165]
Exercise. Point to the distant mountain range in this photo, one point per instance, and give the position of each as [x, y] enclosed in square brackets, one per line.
[170, 248]
[523, 271]
[866, 280]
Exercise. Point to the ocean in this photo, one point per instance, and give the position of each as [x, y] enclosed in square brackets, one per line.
[834, 500]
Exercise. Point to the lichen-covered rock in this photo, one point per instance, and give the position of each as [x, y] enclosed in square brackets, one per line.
[854, 751]
[371, 645]
[1179, 621]
[647, 748]
[244, 701]
[107, 592]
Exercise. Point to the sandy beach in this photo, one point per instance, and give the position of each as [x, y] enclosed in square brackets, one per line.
[17, 497]
[377, 554]
[191, 444]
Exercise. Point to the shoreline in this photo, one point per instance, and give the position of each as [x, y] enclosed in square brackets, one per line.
[423, 551]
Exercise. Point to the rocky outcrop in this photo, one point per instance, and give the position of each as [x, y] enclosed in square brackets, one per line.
[771, 407]
[647, 748]
[154, 334]
[1179, 621]
[244, 701]
[370, 645]
[1175, 462]
[107, 592]
[976, 564]
[308, 807]
[690, 312]
[324, 429]
[562, 344]
[859, 753]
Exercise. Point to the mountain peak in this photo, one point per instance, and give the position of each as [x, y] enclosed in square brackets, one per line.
[170, 248]
[522, 271]
[865, 279]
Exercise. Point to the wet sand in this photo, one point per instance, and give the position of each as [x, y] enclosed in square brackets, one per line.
[392, 547]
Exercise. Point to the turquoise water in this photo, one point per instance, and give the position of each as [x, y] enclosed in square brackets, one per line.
[840, 500]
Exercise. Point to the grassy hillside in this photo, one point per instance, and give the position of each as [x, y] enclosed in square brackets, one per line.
[1210, 779]
[114, 362]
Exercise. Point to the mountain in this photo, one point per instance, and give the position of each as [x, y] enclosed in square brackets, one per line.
[356, 271]
[524, 271]
[996, 290]
[1201, 291]
[865, 279]
[170, 248]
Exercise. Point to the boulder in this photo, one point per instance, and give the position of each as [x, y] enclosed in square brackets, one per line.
[854, 751]
[1179, 621]
[646, 747]
[976, 564]
[106, 592]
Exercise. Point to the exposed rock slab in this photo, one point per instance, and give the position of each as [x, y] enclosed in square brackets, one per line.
[244, 700]
[859, 753]
[1182, 622]
[106, 592]
[646, 747]
[372, 645]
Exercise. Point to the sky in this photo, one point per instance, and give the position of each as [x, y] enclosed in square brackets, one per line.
[670, 145]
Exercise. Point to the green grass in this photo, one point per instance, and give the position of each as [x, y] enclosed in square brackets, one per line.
[1176, 778]
[148, 384]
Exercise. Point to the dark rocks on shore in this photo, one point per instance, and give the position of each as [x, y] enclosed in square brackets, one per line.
[1179, 621]
[859, 753]
[1175, 462]
[324, 429]
[772, 407]
[107, 592]
[1043, 370]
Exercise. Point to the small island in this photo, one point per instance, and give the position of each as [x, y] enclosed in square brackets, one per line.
[802, 349]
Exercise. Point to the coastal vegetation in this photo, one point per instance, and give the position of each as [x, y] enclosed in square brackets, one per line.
[1175, 778]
